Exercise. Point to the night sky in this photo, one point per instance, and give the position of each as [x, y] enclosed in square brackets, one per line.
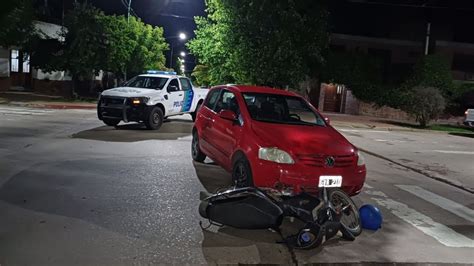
[174, 16]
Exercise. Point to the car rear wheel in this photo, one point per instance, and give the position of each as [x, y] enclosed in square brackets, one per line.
[111, 122]
[350, 214]
[154, 118]
[196, 152]
[242, 173]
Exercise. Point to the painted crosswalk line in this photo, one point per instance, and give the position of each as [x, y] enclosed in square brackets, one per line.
[449, 205]
[442, 233]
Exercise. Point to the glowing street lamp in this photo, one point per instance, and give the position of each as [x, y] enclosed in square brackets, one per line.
[183, 54]
[182, 36]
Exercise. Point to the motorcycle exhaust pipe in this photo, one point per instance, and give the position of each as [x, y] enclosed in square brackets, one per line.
[204, 196]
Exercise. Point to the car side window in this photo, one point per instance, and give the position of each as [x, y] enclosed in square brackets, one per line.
[228, 101]
[173, 83]
[185, 84]
[212, 99]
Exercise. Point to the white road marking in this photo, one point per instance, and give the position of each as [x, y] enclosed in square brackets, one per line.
[455, 152]
[444, 203]
[368, 186]
[440, 232]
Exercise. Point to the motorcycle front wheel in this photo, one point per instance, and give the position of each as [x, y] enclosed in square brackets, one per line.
[349, 212]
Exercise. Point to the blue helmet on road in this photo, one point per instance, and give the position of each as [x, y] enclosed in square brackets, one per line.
[370, 217]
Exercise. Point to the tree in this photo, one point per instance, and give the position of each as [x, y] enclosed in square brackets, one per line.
[94, 42]
[201, 75]
[425, 104]
[263, 42]
[432, 71]
[16, 24]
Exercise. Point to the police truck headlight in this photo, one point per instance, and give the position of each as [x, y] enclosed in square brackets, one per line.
[360, 159]
[275, 155]
[140, 100]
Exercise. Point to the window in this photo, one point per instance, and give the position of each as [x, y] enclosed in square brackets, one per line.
[26, 63]
[185, 84]
[175, 83]
[282, 109]
[145, 82]
[228, 101]
[212, 99]
[15, 61]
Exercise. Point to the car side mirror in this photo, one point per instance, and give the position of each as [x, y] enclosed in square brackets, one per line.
[328, 121]
[172, 89]
[228, 115]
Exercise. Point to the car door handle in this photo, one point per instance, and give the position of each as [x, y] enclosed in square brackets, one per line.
[180, 95]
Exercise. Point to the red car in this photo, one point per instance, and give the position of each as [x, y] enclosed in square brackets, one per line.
[274, 139]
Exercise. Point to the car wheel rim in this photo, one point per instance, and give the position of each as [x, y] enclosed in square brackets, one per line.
[240, 175]
[348, 216]
[156, 118]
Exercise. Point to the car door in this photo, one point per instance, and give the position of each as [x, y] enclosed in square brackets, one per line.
[175, 97]
[207, 116]
[188, 97]
[225, 133]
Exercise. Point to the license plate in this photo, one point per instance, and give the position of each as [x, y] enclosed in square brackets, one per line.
[330, 181]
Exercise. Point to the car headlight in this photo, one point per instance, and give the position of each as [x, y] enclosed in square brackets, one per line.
[360, 159]
[140, 100]
[275, 155]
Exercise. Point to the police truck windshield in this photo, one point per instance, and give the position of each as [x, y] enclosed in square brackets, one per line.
[145, 82]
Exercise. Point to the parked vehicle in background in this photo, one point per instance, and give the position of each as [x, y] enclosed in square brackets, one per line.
[149, 99]
[469, 118]
[274, 139]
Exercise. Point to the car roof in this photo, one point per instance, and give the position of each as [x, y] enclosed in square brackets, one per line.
[258, 89]
[160, 76]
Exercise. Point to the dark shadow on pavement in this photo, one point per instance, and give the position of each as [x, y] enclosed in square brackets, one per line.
[212, 176]
[466, 135]
[137, 132]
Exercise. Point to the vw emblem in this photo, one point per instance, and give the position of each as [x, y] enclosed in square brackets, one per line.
[330, 161]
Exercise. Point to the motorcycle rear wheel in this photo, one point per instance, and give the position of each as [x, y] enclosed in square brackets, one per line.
[350, 216]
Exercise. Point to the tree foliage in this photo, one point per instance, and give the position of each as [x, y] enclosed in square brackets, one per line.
[201, 75]
[425, 104]
[16, 24]
[94, 41]
[263, 42]
[432, 71]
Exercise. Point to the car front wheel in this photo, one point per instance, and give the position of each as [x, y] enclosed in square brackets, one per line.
[111, 122]
[242, 173]
[154, 118]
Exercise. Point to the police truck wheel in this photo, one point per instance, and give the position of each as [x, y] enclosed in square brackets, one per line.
[154, 118]
[111, 122]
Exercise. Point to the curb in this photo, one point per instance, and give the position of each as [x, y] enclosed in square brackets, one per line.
[418, 171]
[54, 106]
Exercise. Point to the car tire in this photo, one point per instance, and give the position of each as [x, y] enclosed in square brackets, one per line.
[194, 114]
[337, 196]
[111, 122]
[196, 152]
[242, 172]
[154, 118]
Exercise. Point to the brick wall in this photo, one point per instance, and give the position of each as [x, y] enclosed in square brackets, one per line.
[53, 87]
[5, 84]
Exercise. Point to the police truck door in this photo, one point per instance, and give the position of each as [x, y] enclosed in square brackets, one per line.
[175, 98]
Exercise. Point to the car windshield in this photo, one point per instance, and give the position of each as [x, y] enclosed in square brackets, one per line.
[144, 82]
[281, 109]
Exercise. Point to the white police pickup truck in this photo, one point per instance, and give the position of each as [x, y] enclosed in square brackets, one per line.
[149, 98]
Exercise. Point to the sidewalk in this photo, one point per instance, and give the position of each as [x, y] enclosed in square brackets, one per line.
[28, 99]
[365, 122]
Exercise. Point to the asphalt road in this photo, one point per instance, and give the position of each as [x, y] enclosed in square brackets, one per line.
[73, 192]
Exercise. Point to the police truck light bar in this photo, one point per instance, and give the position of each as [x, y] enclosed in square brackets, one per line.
[158, 72]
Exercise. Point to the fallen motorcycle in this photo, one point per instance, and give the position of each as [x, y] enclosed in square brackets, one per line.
[256, 208]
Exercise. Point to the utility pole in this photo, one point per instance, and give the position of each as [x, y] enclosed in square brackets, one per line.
[129, 7]
[428, 34]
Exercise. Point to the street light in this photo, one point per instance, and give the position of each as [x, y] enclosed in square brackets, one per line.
[181, 36]
[183, 54]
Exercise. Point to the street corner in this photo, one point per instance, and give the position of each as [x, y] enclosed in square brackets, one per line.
[171, 130]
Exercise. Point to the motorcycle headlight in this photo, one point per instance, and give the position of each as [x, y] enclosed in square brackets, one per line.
[275, 155]
[360, 159]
